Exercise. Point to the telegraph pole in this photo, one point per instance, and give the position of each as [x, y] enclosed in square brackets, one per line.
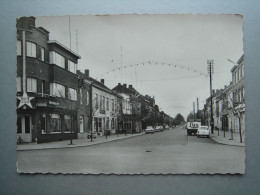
[211, 70]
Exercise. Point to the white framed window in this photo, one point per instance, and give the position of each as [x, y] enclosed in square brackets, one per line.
[103, 104]
[113, 105]
[31, 85]
[55, 123]
[57, 59]
[96, 101]
[42, 53]
[72, 67]
[30, 49]
[19, 47]
[72, 94]
[100, 102]
[18, 84]
[238, 74]
[107, 104]
[57, 90]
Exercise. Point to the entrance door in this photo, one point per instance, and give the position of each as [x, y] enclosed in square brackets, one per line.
[81, 124]
[24, 125]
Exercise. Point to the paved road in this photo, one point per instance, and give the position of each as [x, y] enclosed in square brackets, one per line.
[165, 152]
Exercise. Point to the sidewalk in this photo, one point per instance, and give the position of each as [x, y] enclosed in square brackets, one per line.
[75, 142]
[227, 139]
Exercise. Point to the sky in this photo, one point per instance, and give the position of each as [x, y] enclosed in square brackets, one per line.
[164, 56]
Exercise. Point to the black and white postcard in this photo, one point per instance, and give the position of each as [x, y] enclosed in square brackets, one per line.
[131, 94]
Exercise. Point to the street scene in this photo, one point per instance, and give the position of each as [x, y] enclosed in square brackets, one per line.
[129, 94]
[170, 151]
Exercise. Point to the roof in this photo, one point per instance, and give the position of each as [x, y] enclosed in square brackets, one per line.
[95, 82]
[64, 47]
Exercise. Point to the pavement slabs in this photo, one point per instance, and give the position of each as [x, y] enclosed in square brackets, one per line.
[218, 136]
[75, 142]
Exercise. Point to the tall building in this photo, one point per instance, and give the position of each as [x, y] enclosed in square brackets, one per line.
[47, 85]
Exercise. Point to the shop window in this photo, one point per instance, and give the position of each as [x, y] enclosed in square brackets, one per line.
[67, 120]
[31, 85]
[19, 125]
[57, 90]
[72, 94]
[57, 59]
[55, 123]
[31, 49]
[72, 67]
[18, 47]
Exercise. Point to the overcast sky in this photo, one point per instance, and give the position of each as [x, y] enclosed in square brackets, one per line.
[186, 41]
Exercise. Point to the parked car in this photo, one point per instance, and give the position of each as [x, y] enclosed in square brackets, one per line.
[94, 135]
[203, 131]
[149, 129]
[159, 128]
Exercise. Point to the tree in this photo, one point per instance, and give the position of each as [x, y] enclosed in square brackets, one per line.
[179, 119]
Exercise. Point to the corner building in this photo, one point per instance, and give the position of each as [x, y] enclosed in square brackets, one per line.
[47, 86]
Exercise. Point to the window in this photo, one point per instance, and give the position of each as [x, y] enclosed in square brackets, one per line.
[31, 85]
[55, 123]
[42, 54]
[18, 48]
[242, 71]
[238, 74]
[67, 121]
[72, 67]
[107, 104]
[72, 94]
[80, 96]
[31, 49]
[100, 102]
[96, 101]
[18, 84]
[57, 90]
[43, 88]
[113, 105]
[103, 104]
[57, 59]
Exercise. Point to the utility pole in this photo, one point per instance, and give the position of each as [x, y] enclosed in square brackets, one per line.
[211, 70]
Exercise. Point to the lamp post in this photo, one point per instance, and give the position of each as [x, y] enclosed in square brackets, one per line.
[210, 71]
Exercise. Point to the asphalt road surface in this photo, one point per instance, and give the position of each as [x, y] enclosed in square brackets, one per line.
[170, 151]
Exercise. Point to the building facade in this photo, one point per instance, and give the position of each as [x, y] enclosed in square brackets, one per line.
[47, 85]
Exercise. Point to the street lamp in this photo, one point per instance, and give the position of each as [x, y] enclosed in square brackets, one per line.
[210, 71]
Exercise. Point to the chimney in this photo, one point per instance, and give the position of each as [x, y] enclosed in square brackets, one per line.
[130, 87]
[87, 72]
[225, 86]
[124, 85]
[103, 81]
[119, 84]
[25, 22]
[213, 92]
[78, 71]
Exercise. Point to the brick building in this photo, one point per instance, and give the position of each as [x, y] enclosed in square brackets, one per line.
[47, 85]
